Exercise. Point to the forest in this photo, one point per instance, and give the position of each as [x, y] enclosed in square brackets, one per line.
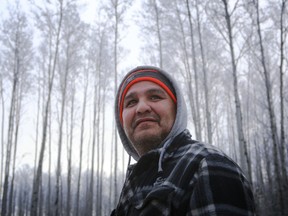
[61, 62]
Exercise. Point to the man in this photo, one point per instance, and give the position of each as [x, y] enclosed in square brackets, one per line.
[174, 175]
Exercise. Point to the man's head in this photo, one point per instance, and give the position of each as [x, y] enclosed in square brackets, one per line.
[148, 115]
[146, 110]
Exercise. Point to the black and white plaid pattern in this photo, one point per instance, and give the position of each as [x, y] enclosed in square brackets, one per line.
[197, 179]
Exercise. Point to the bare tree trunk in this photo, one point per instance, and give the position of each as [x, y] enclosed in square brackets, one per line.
[95, 129]
[279, 183]
[63, 87]
[16, 46]
[81, 141]
[283, 151]
[70, 150]
[111, 200]
[12, 192]
[206, 90]
[48, 202]
[58, 211]
[38, 177]
[260, 178]
[41, 201]
[231, 129]
[116, 40]
[98, 144]
[245, 160]
[188, 75]
[17, 121]
[11, 126]
[2, 134]
[37, 126]
[195, 111]
[103, 152]
[49, 209]
[158, 31]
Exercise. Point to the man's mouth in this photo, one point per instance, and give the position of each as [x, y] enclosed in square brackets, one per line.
[143, 120]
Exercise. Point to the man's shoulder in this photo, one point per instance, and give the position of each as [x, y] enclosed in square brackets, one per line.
[193, 151]
[185, 144]
[195, 147]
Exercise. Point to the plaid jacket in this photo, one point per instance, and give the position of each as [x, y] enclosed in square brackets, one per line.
[197, 179]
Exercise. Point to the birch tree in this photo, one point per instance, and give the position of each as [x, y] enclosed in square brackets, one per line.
[18, 49]
[195, 109]
[205, 75]
[2, 124]
[272, 118]
[116, 10]
[18, 109]
[85, 85]
[72, 36]
[54, 48]
[153, 27]
[283, 37]
[245, 160]
[2, 129]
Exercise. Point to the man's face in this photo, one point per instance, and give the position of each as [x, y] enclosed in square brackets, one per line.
[148, 115]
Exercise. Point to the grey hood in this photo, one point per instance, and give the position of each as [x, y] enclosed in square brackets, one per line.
[180, 122]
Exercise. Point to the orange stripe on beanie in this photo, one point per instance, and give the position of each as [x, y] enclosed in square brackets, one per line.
[144, 75]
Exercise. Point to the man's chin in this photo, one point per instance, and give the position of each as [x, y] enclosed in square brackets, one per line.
[141, 133]
[147, 137]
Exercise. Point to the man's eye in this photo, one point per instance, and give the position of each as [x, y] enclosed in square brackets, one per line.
[155, 97]
[130, 103]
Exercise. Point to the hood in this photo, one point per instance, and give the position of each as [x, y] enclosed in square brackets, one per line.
[180, 122]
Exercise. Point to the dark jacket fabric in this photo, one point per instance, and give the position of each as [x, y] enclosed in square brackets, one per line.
[196, 179]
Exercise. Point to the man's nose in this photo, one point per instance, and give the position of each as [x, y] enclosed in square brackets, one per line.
[143, 106]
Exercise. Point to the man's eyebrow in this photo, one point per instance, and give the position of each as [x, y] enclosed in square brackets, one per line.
[129, 96]
[157, 91]
[149, 91]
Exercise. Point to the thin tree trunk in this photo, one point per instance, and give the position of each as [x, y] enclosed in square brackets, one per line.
[49, 209]
[111, 200]
[37, 126]
[58, 211]
[259, 174]
[2, 135]
[245, 160]
[12, 192]
[99, 97]
[187, 76]
[195, 111]
[115, 92]
[273, 126]
[70, 150]
[81, 142]
[95, 128]
[158, 31]
[41, 201]
[231, 129]
[206, 90]
[48, 202]
[98, 145]
[17, 121]
[10, 133]
[103, 152]
[283, 151]
[38, 177]
[63, 87]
